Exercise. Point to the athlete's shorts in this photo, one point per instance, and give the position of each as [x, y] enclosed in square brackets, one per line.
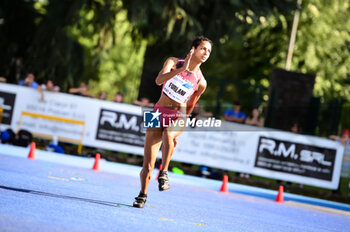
[168, 115]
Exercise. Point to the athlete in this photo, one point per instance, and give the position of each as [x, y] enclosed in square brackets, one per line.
[183, 83]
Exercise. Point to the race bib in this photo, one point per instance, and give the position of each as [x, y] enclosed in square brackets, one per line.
[178, 89]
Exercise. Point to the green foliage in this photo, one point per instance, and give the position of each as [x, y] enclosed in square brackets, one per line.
[179, 19]
[40, 39]
[245, 61]
[43, 48]
[114, 62]
[16, 34]
[323, 46]
[121, 65]
[104, 42]
[169, 26]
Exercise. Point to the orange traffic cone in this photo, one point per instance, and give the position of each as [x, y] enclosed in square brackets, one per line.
[31, 154]
[97, 162]
[160, 168]
[224, 188]
[279, 197]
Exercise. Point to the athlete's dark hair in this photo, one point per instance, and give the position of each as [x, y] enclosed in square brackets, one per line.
[198, 40]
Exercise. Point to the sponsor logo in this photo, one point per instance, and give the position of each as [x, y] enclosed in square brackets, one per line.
[120, 127]
[7, 102]
[295, 158]
[3, 105]
[188, 86]
[124, 122]
[307, 156]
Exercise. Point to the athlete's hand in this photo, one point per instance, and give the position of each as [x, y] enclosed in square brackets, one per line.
[188, 59]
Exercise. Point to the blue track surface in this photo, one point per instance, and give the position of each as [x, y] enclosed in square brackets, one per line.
[62, 193]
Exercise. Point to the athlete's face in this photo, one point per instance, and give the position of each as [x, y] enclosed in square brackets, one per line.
[202, 52]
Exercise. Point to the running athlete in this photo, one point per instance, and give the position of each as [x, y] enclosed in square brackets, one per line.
[183, 83]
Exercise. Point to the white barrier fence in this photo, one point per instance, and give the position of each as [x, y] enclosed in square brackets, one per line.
[114, 126]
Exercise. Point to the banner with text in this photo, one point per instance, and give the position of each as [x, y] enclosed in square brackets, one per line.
[119, 127]
[263, 152]
[72, 118]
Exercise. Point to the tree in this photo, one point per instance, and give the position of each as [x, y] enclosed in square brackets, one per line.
[36, 37]
[323, 46]
[170, 25]
[16, 33]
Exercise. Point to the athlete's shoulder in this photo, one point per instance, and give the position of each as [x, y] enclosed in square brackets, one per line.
[200, 75]
[203, 82]
[202, 85]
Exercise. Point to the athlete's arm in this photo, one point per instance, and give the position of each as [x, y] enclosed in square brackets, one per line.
[202, 85]
[168, 71]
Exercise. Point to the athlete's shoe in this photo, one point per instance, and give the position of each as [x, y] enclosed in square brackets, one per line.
[163, 181]
[140, 200]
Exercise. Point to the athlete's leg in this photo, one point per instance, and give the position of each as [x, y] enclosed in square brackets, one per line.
[169, 139]
[153, 141]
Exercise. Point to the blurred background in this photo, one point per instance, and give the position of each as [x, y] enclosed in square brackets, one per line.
[113, 50]
[120, 46]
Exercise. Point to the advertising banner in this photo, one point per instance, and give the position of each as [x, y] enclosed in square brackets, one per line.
[295, 158]
[259, 151]
[75, 119]
[7, 104]
[120, 127]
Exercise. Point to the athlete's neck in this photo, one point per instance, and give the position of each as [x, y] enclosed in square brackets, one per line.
[193, 66]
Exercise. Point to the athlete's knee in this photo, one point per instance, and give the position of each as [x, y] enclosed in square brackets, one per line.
[147, 169]
[168, 140]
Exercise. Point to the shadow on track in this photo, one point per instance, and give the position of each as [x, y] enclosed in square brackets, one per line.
[113, 204]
